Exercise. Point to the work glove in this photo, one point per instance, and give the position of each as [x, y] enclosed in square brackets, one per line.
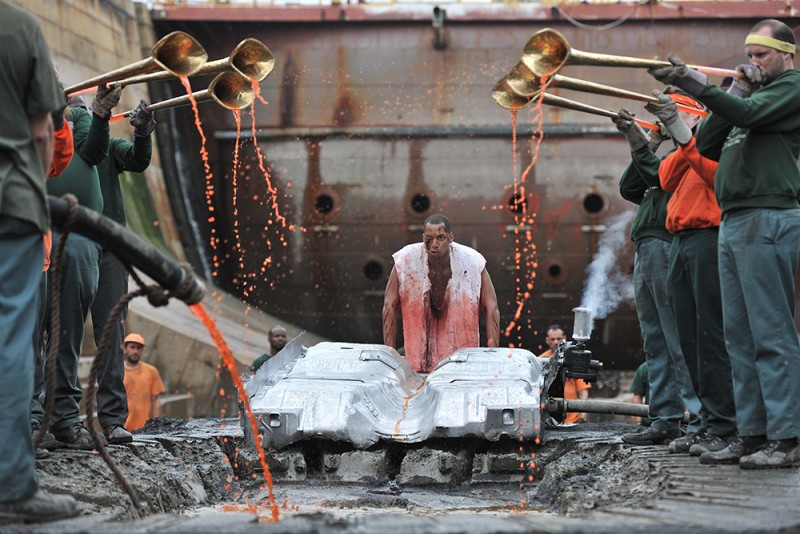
[142, 120]
[105, 100]
[667, 111]
[679, 75]
[752, 80]
[634, 134]
[656, 137]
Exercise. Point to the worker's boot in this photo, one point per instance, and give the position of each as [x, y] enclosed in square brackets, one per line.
[736, 449]
[75, 437]
[652, 436]
[117, 434]
[709, 443]
[775, 454]
[38, 508]
[683, 444]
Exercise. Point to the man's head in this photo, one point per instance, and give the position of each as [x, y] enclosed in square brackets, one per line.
[555, 335]
[436, 236]
[277, 338]
[132, 348]
[770, 46]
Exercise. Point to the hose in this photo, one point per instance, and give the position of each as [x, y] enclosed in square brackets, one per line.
[130, 249]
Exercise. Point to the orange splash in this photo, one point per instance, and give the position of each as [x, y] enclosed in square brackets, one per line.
[230, 364]
[405, 408]
[214, 239]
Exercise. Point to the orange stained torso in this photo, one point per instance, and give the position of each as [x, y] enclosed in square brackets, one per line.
[439, 304]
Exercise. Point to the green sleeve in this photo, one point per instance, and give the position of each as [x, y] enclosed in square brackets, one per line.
[640, 175]
[773, 108]
[95, 149]
[134, 157]
[44, 93]
[711, 135]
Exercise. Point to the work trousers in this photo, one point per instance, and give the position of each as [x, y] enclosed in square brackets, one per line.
[37, 402]
[694, 289]
[20, 272]
[112, 402]
[758, 256]
[79, 275]
[670, 385]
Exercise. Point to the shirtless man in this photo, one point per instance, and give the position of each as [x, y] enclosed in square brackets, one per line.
[440, 287]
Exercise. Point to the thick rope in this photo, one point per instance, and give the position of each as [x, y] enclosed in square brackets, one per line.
[55, 318]
[103, 352]
[157, 297]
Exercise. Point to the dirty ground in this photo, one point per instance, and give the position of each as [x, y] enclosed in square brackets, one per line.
[198, 476]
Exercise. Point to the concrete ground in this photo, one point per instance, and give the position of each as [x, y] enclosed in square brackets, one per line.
[198, 476]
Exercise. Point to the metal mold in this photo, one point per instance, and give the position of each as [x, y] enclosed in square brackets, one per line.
[362, 394]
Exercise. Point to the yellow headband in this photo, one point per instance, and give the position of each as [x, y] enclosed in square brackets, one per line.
[771, 42]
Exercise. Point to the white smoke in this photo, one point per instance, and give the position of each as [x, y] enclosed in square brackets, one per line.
[607, 283]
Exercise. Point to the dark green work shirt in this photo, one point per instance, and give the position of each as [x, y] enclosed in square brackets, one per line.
[28, 88]
[122, 156]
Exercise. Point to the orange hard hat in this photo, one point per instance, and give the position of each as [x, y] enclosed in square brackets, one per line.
[134, 338]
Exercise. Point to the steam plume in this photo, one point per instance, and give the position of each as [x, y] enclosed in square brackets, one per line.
[607, 285]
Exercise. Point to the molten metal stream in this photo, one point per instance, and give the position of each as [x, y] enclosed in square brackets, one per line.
[230, 363]
[209, 175]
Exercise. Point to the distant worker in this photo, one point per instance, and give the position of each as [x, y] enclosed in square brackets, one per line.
[640, 388]
[112, 284]
[440, 287]
[671, 388]
[143, 384]
[277, 337]
[575, 388]
[30, 93]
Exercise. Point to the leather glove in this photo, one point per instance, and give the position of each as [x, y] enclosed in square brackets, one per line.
[105, 100]
[634, 134]
[667, 111]
[752, 80]
[679, 75]
[142, 120]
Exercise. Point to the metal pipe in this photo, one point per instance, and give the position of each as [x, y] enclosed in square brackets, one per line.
[561, 406]
[130, 249]
[421, 131]
[548, 51]
[177, 52]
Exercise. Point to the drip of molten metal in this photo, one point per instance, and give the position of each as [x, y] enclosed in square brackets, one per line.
[230, 364]
[209, 175]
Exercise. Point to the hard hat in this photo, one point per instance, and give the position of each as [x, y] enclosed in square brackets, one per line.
[134, 338]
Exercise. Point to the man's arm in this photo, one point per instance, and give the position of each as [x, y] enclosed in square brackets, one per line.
[62, 150]
[42, 134]
[155, 411]
[489, 305]
[391, 299]
[134, 157]
[156, 389]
